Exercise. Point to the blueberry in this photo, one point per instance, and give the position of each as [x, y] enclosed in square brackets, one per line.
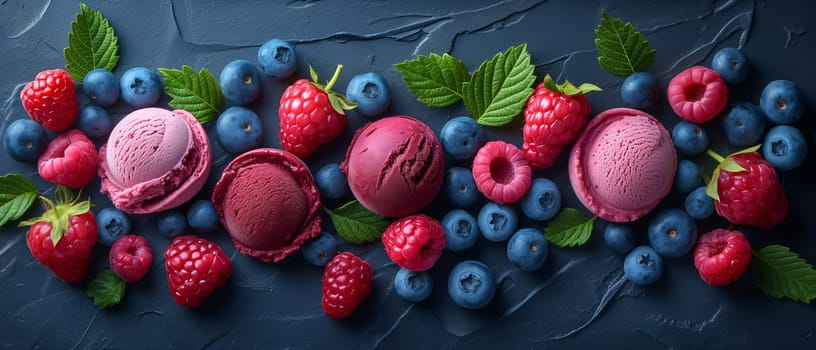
[785, 147]
[744, 124]
[94, 121]
[318, 251]
[240, 82]
[413, 286]
[471, 285]
[689, 138]
[698, 204]
[640, 90]
[461, 137]
[459, 188]
[331, 182]
[527, 249]
[238, 130]
[171, 224]
[619, 237]
[643, 266]
[101, 86]
[688, 176]
[25, 140]
[732, 65]
[112, 224]
[542, 201]
[140, 87]
[202, 217]
[370, 92]
[781, 102]
[672, 233]
[461, 230]
[497, 221]
[277, 59]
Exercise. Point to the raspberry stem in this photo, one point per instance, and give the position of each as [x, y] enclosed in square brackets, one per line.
[334, 78]
[714, 155]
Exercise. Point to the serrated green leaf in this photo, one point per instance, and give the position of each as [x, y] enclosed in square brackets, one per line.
[92, 44]
[17, 194]
[499, 89]
[569, 228]
[435, 80]
[781, 273]
[356, 224]
[106, 289]
[197, 93]
[621, 49]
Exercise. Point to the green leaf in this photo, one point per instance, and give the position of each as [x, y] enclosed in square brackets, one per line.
[17, 194]
[569, 228]
[356, 224]
[435, 80]
[730, 165]
[781, 273]
[711, 187]
[197, 93]
[621, 49]
[106, 289]
[91, 44]
[568, 88]
[499, 89]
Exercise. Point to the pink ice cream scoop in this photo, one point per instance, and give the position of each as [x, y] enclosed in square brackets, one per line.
[395, 166]
[154, 160]
[268, 202]
[622, 165]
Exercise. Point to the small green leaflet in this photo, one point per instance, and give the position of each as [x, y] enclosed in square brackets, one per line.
[356, 224]
[106, 289]
[569, 228]
[17, 194]
[197, 93]
[499, 88]
[621, 49]
[91, 44]
[781, 273]
[728, 164]
[435, 80]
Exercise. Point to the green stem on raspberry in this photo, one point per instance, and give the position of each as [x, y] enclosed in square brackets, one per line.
[334, 78]
[714, 155]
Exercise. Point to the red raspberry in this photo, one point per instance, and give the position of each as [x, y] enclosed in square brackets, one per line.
[346, 283]
[69, 160]
[722, 256]
[51, 100]
[63, 237]
[697, 94]
[501, 173]
[195, 268]
[553, 118]
[311, 115]
[414, 242]
[753, 196]
[130, 257]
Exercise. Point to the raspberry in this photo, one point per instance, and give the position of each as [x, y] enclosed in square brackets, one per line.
[195, 268]
[74, 227]
[722, 256]
[311, 115]
[69, 160]
[754, 196]
[414, 242]
[552, 120]
[51, 100]
[697, 94]
[130, 257]
[501, 172]
[346, 283]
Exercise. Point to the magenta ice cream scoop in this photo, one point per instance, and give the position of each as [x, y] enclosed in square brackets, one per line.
[622, 165]
[395, 166]
[268, 202]
[154, 160]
